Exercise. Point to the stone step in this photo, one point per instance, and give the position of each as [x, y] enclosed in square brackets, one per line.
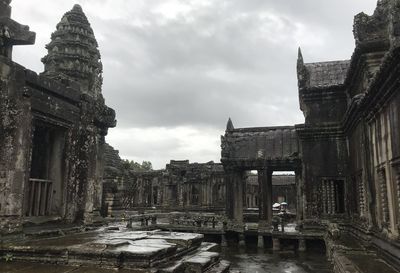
[181, 265]
[201, 262]
[177, 267]
[205, 246]
[221, 267]
[358, 262]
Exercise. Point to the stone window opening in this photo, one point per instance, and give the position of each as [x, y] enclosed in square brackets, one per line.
[155, 195]
[43, 195]
[195, 196]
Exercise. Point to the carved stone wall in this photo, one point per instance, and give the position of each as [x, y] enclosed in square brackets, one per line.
[65, 126]
[181, 185]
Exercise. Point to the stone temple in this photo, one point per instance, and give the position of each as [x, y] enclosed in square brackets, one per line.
[69, 204]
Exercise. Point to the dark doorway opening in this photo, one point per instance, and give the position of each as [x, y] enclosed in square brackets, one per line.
[43, 195]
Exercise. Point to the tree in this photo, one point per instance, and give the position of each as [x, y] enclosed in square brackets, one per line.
[147, 166]
[135, 166]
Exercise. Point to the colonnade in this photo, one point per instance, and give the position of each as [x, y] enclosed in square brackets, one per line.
[235, 187]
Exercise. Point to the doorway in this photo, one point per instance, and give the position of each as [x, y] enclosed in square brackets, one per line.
[44, 192]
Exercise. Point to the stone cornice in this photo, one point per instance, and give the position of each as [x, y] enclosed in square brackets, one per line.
[381, 88]
[352, 115]
[325, 93]
[239, 164]
[260, 129]
[384, 85]
[320, 132]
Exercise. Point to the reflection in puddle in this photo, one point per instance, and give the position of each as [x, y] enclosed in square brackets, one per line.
[253, 260]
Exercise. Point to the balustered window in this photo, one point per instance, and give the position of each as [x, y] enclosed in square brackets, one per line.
[383, 195]
[333, 193]
[358, 188]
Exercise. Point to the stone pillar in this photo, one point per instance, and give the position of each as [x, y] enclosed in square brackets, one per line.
[324, 196]
[242, 239]
[129, 224]
[151, 193]
[384, 195]
[299, 196]
[234, 199]
[276, 244]
[302, 245]
[260, 241]
[224, 243]
[361, 194]
[265, 198]
[180, 194]
[332, 197]
[397, 176]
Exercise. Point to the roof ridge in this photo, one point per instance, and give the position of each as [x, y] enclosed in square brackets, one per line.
[329, 62]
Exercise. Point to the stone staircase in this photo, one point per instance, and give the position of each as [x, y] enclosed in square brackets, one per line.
[203, 259]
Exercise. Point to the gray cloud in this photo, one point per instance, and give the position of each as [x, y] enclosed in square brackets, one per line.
[192, 64]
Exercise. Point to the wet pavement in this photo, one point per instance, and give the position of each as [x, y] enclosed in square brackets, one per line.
[249, 260]
[115, 246]
[253, 260]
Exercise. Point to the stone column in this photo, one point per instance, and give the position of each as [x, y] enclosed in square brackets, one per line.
[224, 243]
[260, 241]
[324, 196]
[397, 176]
[331, 197]
[242, 239]
[302, 245]
[151, 192]
[265, 198]
[276, 244]
[299, 196]
[180, 193]
[234, 199]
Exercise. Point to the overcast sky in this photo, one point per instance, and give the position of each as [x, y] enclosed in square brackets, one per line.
[176, 70]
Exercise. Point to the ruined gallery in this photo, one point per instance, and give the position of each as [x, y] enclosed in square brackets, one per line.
[69, 203]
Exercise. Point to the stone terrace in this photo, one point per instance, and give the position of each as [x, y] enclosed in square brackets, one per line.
[115, 248]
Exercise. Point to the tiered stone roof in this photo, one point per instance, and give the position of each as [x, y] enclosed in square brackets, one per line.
[73, 53]
[112, 161]
[325, 74]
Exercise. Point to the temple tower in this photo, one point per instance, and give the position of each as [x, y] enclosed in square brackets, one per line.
[73, 53]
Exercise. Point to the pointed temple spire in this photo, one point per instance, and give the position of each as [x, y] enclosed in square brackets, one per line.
[73, 53]
[301, 70]
[299, 56]
[300, 60]
[11, 32]
[229, 125]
